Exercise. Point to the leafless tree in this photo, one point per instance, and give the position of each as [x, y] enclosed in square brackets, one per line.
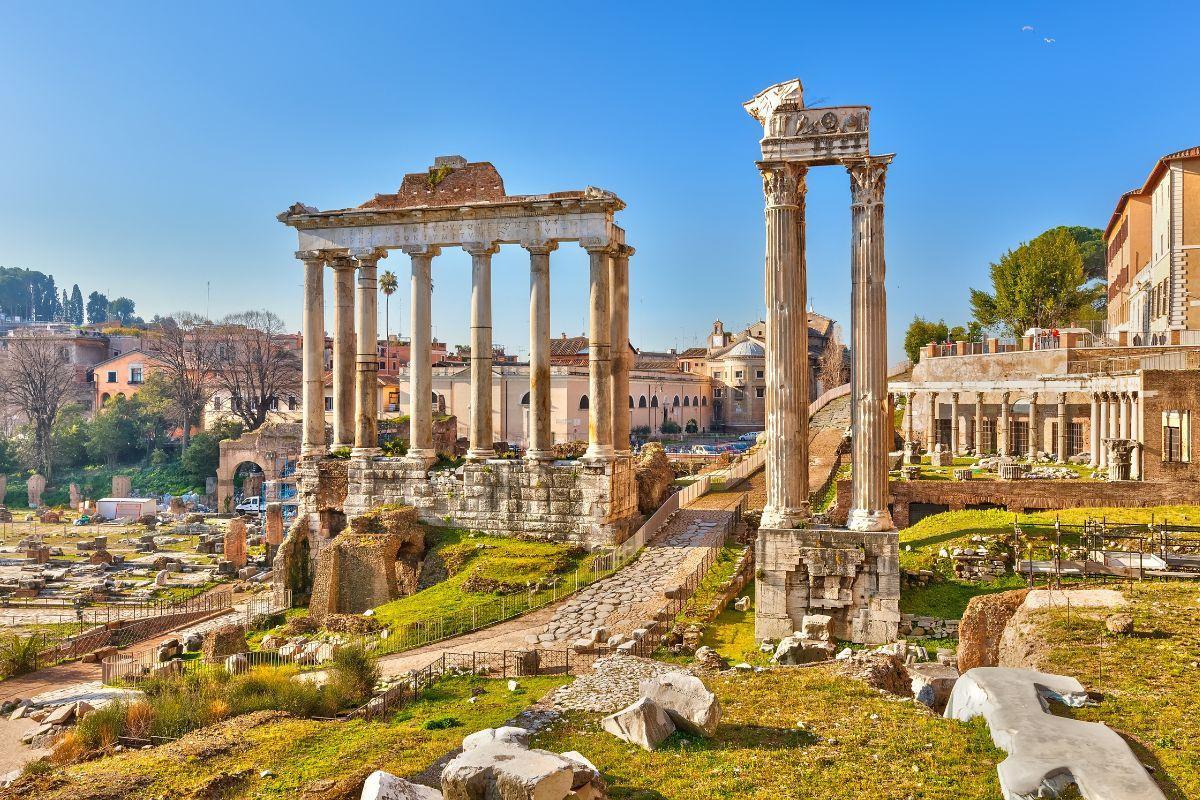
[185, 347]
[258, 369]
[40, 381]
[831, 364]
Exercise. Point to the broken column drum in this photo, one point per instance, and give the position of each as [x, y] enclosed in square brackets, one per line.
[852, 575]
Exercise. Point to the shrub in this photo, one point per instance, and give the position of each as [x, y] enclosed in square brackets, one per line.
[138, 719]
[355, 673]
[670, 426]
[101, 728]
[441, 723]
[691, 426]
[37, 768]
[19, 654]
[395, 448]
[67, 749]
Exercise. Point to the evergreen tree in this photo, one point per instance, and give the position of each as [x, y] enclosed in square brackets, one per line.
[97, 307]
[76, 306]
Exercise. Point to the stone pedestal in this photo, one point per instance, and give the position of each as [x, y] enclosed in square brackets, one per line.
[1011, 471]
[912, 452]
[852, 576]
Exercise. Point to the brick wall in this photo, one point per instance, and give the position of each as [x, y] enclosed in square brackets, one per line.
[1022, 496]
[1165, 390]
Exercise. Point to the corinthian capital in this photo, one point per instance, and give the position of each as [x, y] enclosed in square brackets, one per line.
[481, 248]
[783, 183]
[421, 250]
[369, 256]
[867, 178]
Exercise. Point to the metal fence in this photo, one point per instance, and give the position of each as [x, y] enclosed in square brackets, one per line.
[1105, 550]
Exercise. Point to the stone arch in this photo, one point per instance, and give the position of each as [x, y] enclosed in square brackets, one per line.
[272, 448]
[104, 398]
[704, 401]
[525, 399]
[631, 401]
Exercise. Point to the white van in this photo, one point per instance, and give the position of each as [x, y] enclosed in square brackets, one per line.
[251, 505]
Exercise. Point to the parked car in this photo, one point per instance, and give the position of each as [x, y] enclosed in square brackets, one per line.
[251, 505]
[751, 437]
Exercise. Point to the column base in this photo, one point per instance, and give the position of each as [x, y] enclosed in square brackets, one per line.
[313, 451]
[783, 518]
[421, 457]
[480, 455]
[539, 455]
[365, 452]
[867, 521]
[599, 452]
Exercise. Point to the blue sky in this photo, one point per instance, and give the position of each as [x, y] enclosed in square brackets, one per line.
[147, 147]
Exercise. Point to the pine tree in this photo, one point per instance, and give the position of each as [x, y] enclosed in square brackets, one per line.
[76, 315]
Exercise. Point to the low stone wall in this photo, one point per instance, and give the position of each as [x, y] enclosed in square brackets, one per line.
[1019, 496]
[595, 506]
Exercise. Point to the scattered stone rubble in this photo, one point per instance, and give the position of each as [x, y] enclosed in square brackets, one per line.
[670, 702]
[615, 682]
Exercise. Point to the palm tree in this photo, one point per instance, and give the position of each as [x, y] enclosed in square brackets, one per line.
[387, 285]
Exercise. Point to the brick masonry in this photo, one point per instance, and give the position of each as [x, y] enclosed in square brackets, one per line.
[1164, 390]
[1024, 495]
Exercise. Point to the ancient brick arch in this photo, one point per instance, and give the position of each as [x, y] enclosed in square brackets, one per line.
[271, 447]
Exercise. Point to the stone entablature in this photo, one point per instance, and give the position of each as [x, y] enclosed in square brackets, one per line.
[594, 505]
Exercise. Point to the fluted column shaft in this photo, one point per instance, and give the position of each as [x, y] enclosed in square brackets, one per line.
[481, 435]
[1135, 465]
[1034, 438]
[1003, 444]
[344, 348]
[1094, 431]
[621, 357]
[1124, 415]
[955, 442]
[366, 407]
[931, 423]
[909, 410]
[870, 423]
[420, 368]
[786, 293]
[1063, 433]
[541, 443]
[979, 423]
[313, 353]
[600, 419]
[1102, 451]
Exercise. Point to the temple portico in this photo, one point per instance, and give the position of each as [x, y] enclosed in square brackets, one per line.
[457, 204]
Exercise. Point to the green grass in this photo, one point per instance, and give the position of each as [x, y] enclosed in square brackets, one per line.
[478, 560]
[884, 748]
[713, 584]
[920, 544]
[928, 472]
[299, 754]
[731, 634]
[1148, 681]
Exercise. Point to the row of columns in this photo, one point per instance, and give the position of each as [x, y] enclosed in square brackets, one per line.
[355, 362]
[786, 292]
[1114, 415]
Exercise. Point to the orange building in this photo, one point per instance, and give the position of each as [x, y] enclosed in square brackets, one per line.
[121, 375]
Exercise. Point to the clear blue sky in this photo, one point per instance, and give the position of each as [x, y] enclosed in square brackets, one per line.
[146, 148]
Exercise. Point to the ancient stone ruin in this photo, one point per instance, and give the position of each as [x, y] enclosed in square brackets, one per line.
[851, 575]
[35, 486]
[122, 486]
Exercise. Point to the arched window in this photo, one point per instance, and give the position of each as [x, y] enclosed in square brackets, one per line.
[642, 401]
[216, 402]
[631, 401]
[704, 401]
[695, 400]
[583, 402]
[525, 399]
[654, 402]
[687, 401]
[104, 398]
[676, 402]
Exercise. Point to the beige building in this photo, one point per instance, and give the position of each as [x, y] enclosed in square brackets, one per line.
[736, 363]
[1153, 241]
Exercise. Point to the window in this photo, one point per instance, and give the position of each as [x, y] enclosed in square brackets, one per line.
[654, 401]
[758, 374]
[687, 401]
[112, 376]
[292, 402]
[135, 374]
[704, 400]
[583, 402]
[642, 401]
[737, 373]
[217, 403]
[329, 404]
[716, 373]
[695, 400]
[631, 401]
[525, 399]
[1176, 437]
[760, 392]
[676, 401]
[717, 391]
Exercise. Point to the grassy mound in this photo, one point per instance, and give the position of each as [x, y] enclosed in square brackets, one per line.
[309, 758]
[855, 742]
[481, 568]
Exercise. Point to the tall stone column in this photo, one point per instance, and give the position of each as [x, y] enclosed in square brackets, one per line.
[481, 436]
[979, 423]
[621, 357]
[1034, 437]
[600, 439]
[541, 440]
[1135, 465]
[869, 420]
[343, 351]
[420, 365]
[1003, 433]
[366, 406]
[1124, 416]
[909, 412]
[1063, 423]
[313, 353]
[931, 426]
[1094, 432]
[955, 442]
[1102, 451]
[786, 296]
